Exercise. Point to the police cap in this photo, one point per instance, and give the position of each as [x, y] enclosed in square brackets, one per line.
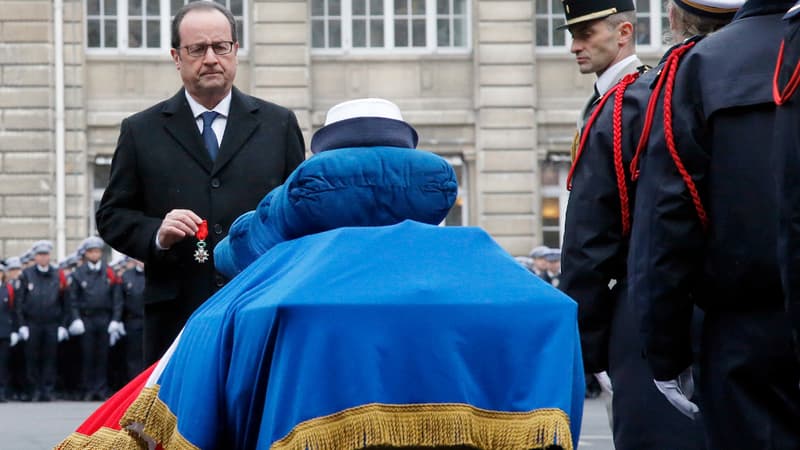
[92, 242]
[553, 255]
[40, 247]
[723, 9]
[539, 252]
[577, 11]
[13, 263]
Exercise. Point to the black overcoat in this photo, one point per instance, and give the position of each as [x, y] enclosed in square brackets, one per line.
[161, 164]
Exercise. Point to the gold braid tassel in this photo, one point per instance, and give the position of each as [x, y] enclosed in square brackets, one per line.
[429, 425]
[103, 439]
[147, 413]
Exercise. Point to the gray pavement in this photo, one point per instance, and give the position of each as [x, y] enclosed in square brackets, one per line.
[37, 426]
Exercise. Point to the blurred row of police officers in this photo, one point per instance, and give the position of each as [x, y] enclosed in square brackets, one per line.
[72, 330]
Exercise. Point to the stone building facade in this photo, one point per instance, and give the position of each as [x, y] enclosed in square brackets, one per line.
[489, 84]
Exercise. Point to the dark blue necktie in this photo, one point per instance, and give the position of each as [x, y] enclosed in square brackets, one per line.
[208, 134]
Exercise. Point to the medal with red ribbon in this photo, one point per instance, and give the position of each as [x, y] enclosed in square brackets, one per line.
[201, 254]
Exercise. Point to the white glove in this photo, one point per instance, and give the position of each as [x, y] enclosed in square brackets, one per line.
[76, 328]
[116, 327]
[113, 337]
[679, 391]
[14, 338]
[63, 335]
[24, 333]
[605, 382]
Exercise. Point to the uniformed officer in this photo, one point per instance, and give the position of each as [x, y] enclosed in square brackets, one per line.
[8, 327]
[539, 263]
[597, 228]
[133, 317]
[17, 374]
[705, 233]
[68, 352]
[95, 307]
[553, 268]
[41, 317]
[787, 143]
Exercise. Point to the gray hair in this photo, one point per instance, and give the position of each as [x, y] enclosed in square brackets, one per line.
[687, 24]
[203, 5]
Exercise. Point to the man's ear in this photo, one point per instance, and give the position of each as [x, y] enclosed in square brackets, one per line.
[176, 57]
[625, 33]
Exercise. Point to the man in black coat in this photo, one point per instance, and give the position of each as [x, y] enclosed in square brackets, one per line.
[208, 153]
[705, 233]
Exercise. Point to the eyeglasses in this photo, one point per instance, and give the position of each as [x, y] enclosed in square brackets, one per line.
[219, 48]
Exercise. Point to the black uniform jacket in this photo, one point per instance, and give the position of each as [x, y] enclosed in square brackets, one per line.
[132, 296]
[723, 116]
[161, 163]
[8, 319]
[94, 292]
[787, 144]
[41, 297]
[595, 250]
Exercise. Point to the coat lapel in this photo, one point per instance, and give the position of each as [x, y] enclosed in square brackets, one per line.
[242, 122]
[181, 126]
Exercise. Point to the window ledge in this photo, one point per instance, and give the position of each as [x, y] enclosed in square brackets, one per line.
[391, 55]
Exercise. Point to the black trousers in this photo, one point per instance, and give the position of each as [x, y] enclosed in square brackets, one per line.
[749, 381]
[40, 357]
[134, 348]
[643, 418]
[94, 354]
[162, 323]
[5, 359]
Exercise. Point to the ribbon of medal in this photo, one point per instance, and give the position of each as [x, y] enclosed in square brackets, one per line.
[201, 254]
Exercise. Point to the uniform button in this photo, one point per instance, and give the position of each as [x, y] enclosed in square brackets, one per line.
[220, 281]
[215, 183]
[217, 228]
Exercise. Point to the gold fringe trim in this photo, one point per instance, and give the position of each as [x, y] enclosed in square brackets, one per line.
[103, 439]
[429, 425]
[148, 410]
[159, 422]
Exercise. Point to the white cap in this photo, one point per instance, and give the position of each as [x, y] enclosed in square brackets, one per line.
[363, 107]
[42, 247]
[92, 242]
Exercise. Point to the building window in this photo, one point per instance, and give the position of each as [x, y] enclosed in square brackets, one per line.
[101, 23]
[549, 16]
[458, 214]
[651, 19]
[368, 23]
[342, 26]
[141, 26]
[554, 200]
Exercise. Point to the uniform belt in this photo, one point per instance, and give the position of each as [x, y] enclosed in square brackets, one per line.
[88, 312]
